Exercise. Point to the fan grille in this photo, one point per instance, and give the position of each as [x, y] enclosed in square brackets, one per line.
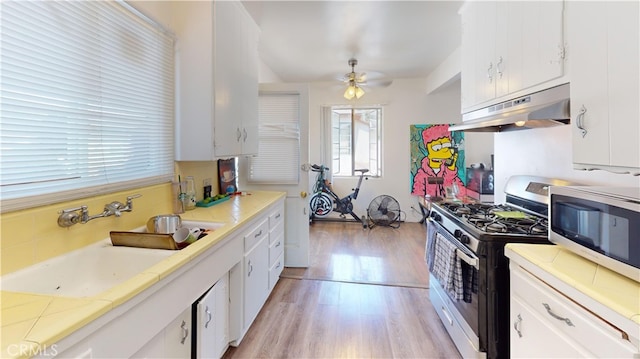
[384, 210]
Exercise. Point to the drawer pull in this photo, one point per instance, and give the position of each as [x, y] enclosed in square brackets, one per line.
[278, 265]
[580, 121]
[551, 313]
[209, 316]
[278, 244]
[258, 234]
[517, 325]
[277, 215]
[185, 332]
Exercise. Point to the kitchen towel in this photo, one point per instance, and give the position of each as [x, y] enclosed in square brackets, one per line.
[447, 267]
[430, 247]
[469, 281]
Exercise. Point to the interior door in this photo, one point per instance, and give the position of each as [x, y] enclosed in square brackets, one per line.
[296, 203]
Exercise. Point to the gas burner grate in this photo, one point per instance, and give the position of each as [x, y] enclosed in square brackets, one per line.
[485, 219]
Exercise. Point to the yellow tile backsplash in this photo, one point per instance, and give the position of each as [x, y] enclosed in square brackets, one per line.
[32, 235]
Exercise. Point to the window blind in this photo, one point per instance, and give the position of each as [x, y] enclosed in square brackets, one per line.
[86, 104]
[278, 159]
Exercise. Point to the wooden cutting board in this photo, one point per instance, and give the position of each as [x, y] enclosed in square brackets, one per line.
[142, 240]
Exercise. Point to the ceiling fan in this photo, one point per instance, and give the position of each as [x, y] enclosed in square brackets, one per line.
[355, 82]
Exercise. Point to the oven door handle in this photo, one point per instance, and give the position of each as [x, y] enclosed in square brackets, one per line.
[467, 259]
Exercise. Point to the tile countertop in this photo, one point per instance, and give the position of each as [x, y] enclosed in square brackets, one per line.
[616, 292]
[31, 324]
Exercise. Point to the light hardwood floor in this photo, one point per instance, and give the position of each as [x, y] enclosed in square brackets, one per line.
[364, 296]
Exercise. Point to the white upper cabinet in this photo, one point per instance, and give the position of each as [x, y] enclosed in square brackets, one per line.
[236, 80]
[509, 46]
[604, 51]
[217, 80]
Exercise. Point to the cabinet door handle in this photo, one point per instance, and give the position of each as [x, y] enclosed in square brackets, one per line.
[498, 69]
[278, 265]
[238, 134]
[277, 215]
[278, 244]
[209, 316]
[185, 332]
[551, 313]
[250, 269]
[489, 76]
[244, 136]
[580, 120]
[517, 325]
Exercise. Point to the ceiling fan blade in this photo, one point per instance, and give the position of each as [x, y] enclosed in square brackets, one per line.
[379, 83]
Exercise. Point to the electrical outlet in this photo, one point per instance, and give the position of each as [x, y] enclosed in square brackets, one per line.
[206, 182]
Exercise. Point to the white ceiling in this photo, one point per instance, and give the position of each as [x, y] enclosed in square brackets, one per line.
[308, 41]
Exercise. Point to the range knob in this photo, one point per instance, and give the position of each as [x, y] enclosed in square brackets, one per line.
[465, 239]
[457, 233]
[436, 217]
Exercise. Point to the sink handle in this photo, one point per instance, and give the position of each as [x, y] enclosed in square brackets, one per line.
[69, 217]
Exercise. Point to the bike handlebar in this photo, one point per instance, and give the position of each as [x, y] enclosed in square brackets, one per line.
[320, 168]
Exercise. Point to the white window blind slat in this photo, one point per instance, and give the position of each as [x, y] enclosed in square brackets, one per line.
[86, 104]
[278, 159]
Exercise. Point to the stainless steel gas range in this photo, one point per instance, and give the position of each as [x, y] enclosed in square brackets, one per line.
[469, 274]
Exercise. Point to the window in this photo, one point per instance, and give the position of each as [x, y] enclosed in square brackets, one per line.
[355, 140]
[87, 101]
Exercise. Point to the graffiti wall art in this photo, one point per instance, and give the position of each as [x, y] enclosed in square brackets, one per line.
[437, 160]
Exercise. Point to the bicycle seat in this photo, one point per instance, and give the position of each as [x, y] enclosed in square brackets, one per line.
[316, 168]
[363, 170]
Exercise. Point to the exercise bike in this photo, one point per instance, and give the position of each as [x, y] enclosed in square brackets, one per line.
[324, 200]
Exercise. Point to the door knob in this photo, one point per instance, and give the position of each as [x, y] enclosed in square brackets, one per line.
[303, 194]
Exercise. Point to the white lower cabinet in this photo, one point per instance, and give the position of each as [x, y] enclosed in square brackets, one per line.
[256, 271]
[547, 324]
[174, 341]
[529, 330]
[276, 245]
[211, 324]
[177, 337]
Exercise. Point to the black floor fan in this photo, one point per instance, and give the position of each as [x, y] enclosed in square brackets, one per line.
[384, 210]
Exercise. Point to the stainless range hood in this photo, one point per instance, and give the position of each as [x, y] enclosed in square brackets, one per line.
[546, 108]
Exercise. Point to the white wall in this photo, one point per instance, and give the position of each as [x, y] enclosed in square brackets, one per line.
[160, 11]
[545, 152]
[405, 103]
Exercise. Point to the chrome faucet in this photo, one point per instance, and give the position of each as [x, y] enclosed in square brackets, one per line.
[113, 208]
[69, 217]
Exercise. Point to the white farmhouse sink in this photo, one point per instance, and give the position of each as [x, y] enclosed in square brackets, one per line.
[89, 270]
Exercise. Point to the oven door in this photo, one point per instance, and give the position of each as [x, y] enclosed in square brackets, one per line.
[459, 315]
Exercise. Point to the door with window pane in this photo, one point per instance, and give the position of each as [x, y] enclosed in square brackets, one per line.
[283, 156]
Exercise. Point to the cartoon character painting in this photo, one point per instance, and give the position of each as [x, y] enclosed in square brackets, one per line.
[438, 154]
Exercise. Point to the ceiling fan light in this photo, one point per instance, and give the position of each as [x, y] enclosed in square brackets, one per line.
[359, 92]
[350, 92]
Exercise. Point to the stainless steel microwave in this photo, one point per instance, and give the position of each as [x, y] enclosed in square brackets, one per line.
[601, 224]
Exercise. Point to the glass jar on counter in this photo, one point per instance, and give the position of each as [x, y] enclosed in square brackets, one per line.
[190, 194]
